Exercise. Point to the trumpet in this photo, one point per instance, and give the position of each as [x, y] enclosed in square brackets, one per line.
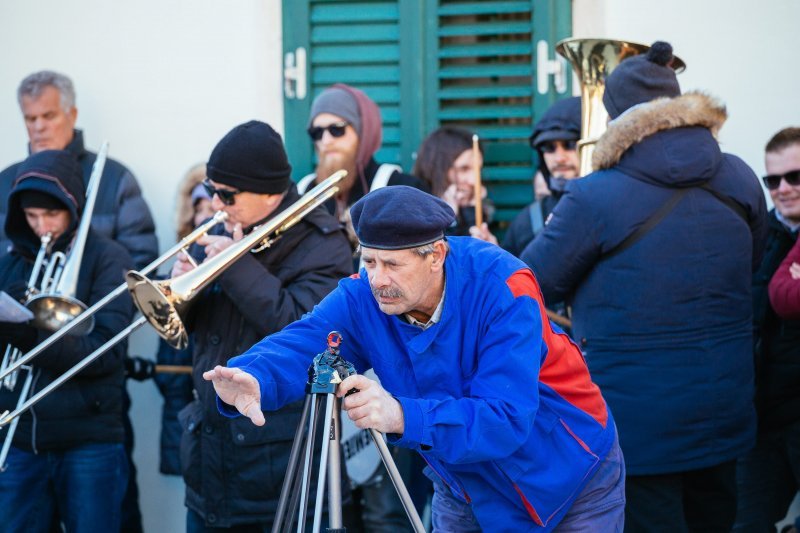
[162, 303]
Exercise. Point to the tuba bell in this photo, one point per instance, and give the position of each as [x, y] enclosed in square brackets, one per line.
[593, 60]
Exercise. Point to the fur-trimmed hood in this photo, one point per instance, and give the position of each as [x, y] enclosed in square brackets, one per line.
[694, 109]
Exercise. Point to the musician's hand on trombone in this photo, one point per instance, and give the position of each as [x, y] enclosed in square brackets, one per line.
[182, 264]
[239, 389]
[22, 336]
[216, 243]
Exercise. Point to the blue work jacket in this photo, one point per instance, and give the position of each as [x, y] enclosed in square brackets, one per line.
[497, 400]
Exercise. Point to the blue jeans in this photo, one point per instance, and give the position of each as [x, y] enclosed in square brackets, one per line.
[599, 507]
[84, 486]
[767, 479]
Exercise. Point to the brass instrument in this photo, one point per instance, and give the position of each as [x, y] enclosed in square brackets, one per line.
[161, 302]
[593, 60]
[56, 305]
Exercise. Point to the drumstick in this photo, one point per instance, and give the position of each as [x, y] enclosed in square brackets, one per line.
[173, 369]
[476, 168]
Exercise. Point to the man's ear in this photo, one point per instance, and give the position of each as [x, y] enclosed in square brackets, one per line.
[439, 254]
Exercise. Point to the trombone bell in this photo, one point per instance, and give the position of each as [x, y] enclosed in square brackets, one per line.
[158, 305]
[52, 312]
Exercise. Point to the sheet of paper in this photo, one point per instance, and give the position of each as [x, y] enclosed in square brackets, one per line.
[13, 311]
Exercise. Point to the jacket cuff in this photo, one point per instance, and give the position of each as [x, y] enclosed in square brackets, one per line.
[413, 422]
[227, 410]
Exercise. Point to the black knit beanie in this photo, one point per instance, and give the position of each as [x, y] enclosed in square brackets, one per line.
[251, 158]
[640, 79]
[40, 199]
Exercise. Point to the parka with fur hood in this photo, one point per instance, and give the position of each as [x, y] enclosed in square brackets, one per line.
[665, 323]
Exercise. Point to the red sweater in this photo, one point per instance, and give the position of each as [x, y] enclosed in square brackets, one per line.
[784, 292]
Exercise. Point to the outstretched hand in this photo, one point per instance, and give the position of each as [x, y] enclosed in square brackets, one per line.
[371, 406]
[236, 387]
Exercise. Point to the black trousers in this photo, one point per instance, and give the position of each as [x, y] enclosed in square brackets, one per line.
[695, 501]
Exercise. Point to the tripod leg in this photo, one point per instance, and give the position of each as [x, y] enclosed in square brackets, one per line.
[335, 472]
[312, 431]
[291, 469]
[400, 487]
[323, 462]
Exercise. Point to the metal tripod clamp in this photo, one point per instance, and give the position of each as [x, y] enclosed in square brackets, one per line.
[328, 368]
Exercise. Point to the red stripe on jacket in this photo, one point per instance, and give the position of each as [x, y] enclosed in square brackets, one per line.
[564, 369]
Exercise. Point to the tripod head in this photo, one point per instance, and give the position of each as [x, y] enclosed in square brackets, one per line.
[328, 368]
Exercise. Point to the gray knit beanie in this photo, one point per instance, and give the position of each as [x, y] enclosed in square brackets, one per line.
[337, 102]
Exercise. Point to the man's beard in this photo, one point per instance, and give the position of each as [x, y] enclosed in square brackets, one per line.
[327, 165]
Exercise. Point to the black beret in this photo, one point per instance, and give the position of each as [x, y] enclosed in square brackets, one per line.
[398, 217]
[251, 158]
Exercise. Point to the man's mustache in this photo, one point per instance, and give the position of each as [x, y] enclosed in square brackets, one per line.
[389, 292]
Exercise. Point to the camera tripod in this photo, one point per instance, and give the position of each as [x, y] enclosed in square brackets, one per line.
[324, 376]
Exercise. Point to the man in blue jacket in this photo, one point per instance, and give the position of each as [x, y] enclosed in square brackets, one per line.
[497, 400]
[655, 252]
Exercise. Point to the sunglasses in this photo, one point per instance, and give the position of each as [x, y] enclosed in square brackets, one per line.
[773, 181]
[336, 129]
[226, 196]
[550, 147]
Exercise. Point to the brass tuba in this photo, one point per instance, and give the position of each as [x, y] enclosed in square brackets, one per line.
[593, 60]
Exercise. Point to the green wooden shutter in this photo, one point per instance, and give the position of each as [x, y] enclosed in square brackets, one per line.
[361, 44]
[482, 76]
[428, 63]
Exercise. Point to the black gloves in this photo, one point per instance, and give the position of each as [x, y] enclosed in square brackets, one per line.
[139, 368]
[22, 336]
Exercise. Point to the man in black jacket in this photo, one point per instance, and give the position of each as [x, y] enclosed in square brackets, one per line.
[555, 139]
[47, 102]
[67, 455]
[233, 469]
[769, 476]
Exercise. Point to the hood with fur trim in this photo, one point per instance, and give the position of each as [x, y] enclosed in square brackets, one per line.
[665, 140]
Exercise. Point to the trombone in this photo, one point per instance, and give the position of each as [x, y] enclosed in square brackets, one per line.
[162, 302]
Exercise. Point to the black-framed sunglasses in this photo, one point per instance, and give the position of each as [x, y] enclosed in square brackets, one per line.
[773, 181]
[336, 129]
[226, 196]
[549, 147]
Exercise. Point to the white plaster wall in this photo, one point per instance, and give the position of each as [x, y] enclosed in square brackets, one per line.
[741, 51]
[163, 82]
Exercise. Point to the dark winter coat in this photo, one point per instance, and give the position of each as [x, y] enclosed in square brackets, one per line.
[521, 231]
[88, 407]
[120, 212]
[232, 468]
[777, 339]
[665, 324]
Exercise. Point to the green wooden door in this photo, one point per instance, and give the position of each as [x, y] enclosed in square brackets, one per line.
[428, 63]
